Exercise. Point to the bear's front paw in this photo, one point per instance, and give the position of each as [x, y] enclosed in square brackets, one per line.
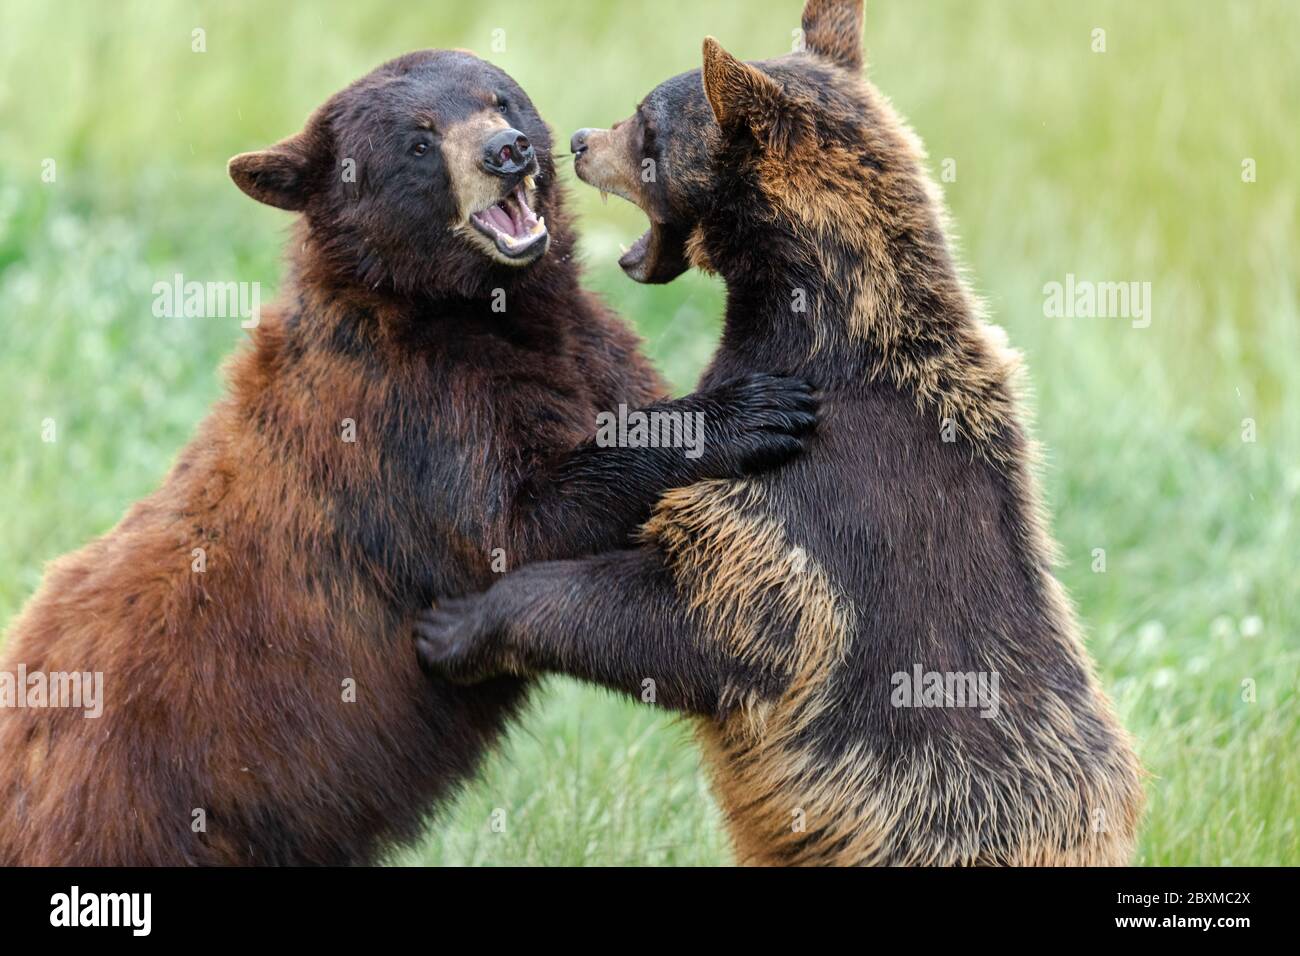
[763, 421]
[455, 640]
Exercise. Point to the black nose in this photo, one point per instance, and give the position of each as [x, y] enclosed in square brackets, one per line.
[578, 144]
[507, 153]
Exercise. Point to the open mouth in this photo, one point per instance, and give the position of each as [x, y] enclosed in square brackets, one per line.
[512, 226]
[633, 259]
[658, 256]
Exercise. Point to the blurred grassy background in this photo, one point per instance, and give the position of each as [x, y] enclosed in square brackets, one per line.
[1122, 165]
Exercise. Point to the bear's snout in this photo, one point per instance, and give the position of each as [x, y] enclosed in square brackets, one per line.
[508, 153]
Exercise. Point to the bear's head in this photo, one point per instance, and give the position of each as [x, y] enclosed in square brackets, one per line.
[430, 176]
[737, 163]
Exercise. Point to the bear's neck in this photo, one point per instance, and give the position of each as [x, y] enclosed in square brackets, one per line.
[535, 308]
[875, 305]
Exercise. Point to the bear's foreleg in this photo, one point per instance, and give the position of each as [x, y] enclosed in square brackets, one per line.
[616, 619]
[590, 499]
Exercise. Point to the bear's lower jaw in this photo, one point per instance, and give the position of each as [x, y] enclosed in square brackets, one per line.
[517, 234]
[633, 259]
[657, 257]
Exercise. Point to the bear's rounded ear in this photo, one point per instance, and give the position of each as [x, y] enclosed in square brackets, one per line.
[833, 29]
[279, 176]
[738, 93]
[743, 97]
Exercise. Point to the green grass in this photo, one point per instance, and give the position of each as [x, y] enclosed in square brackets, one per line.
[1123, 165]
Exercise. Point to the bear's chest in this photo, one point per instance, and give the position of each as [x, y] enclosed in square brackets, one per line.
[532, 406]
[452, 450]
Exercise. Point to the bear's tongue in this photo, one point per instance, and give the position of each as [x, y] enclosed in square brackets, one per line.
[512, 215]
[499, 218]
[511, 224]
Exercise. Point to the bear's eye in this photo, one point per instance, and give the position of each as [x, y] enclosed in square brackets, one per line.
[419, 149]
[502, 105]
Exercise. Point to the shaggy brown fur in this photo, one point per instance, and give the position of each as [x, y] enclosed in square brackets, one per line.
[386, 430]
[784, 609]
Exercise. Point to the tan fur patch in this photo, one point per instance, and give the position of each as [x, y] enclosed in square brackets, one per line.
[462, 150]
[609, 163]
[786, 804]
[696, 254]
[967, 374]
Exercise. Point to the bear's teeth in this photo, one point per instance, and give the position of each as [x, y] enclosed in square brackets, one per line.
[530, 182]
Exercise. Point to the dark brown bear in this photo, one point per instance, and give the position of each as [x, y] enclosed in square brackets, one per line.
[886, 670]
[419, 399]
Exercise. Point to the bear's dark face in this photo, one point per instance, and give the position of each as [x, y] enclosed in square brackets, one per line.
[760, 147]
[431, 175]
[657, 158]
